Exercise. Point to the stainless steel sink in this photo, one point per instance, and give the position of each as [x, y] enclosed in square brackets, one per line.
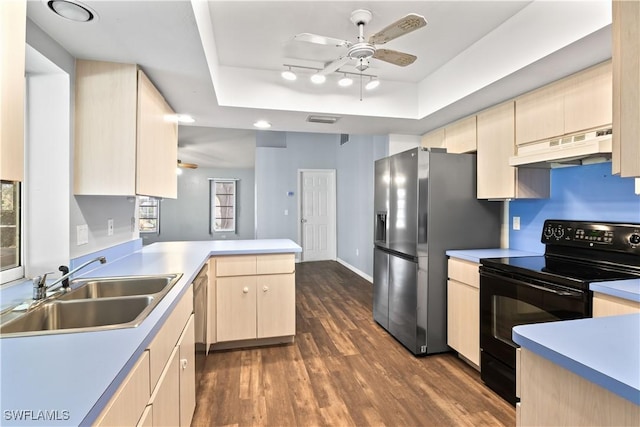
[94, 304]
[80, 315]
[109, 287]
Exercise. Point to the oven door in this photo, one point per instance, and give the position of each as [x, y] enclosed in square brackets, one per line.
[507, 300]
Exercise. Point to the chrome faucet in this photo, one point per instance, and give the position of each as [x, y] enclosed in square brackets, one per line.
[40, 287]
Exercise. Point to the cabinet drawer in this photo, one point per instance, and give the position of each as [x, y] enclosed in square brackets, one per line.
[464, 271]
[164, 343]
[275, 264]
[236, 266]
[127, 405]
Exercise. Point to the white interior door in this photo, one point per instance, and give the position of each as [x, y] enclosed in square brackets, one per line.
[318, 214]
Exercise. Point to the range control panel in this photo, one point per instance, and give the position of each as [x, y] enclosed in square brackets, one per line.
[598, 235]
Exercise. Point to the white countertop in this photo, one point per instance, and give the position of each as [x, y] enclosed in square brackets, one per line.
[603, 350]
[74, 375]
[475, 255]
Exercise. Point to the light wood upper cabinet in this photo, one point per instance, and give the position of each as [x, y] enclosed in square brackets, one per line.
[540, 114]
[496, 179]
[588, 99]
[124, 144]
[626, 88]
[13, 19]
[432, 139]
[460, 137]
[576, 103]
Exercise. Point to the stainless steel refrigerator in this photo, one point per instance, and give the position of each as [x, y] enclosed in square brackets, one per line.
[425, 203]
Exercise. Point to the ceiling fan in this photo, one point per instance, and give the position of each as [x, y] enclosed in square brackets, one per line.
[363, 50]
[184, 165]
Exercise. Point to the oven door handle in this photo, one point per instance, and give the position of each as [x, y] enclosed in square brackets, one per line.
[564, 293]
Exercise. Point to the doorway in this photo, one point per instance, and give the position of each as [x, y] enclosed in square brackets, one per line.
[317, 214]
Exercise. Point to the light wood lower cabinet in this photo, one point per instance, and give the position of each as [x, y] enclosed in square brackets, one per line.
[551, 395]
[254, 298]
[463, 309]
[607, 305]
[160, 389]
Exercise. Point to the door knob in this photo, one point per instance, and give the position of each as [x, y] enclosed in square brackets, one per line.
[303, 220]
[184, 363]
[245, 290]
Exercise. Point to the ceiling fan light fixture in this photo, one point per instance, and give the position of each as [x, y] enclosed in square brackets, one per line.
[372, 84]
[345, 81]
[72, 10]
[318, 78]
[289, 75]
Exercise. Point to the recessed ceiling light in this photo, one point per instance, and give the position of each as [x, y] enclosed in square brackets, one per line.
[262, 124]
[184, 118]
[72, 10]
[318, 78]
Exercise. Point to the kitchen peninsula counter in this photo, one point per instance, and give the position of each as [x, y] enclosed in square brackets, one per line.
[70, 377]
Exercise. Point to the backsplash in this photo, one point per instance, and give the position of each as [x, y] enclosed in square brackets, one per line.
[581, 193]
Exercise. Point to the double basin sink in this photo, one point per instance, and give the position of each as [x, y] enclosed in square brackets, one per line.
[93, 304]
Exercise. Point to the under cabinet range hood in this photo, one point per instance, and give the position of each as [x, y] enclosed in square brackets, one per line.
[578, 149]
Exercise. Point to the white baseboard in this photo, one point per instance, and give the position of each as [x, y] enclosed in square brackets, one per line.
[355, 270]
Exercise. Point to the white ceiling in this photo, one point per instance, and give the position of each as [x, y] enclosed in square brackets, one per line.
[220, 61]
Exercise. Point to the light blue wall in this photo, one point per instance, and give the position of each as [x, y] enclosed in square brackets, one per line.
[276, 174]
[187, 217]
[580, 193]
[355, 175]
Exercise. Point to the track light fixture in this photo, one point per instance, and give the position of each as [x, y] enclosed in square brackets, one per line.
[319, 77]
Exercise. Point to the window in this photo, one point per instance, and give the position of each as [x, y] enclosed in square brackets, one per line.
[149, 215]
[223, 205]
[10, 250]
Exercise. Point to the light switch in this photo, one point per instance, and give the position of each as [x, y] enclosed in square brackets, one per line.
[110, 227]
[516, 223]
[286, 212]
[82, 234]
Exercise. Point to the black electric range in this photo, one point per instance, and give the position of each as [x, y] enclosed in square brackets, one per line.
[550, 287]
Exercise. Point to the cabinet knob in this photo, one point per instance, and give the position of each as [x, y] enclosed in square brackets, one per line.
[184, 363]
[265, 288]
[245, 290]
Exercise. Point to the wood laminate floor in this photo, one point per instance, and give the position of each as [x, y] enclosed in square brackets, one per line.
[343, 369]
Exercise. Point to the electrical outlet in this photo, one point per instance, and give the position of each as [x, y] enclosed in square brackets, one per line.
[109, 227]
[516, 223]
[82, 234]
[357, 252]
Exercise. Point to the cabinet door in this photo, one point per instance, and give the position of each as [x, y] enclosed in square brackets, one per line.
[13, 18]
[236, 308]
[540, 114]
[128, 403]
[105, 129]
[588, 99]
[460, 137]
[626, 88]
[463, 320]
[187, 356]
[211, 305]
[157, 143]
[166, 397]
[433, 139]
[276, 305]
[496, 131]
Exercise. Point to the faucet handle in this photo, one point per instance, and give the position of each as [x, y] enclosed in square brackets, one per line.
[41, 280]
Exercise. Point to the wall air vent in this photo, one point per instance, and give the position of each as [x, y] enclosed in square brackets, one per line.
[327, 120]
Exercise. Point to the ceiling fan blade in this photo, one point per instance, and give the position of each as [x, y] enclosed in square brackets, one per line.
[328, 41]
[334, 65]
[402, 26]
[394, 57]
[182, 164]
